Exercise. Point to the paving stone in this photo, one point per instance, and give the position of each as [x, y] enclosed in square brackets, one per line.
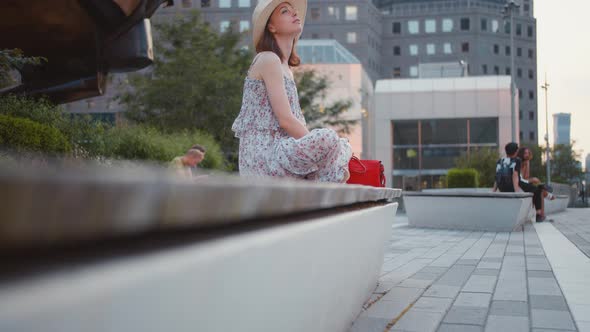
[480, 300]
[480, 284]
[416, 283]
[489, 265]
[492, 259]
[434, 269]
[509, 308]
[459, 328]
[507, 324]
[433, 304]
[552, 319]
[456, 275]
[486, 272]
[418, 321]
[514, 261]
[385, 309]
[513, 254]
[548, 302]
[538, 267]
[426, 276]
[467, 262]
[541, 274]
[402, 294]
[442, 291]
[369, 324]
[510, 290]
[466, 315]
[544, 286]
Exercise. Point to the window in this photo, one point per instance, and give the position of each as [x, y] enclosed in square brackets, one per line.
[529, 31]
[531, 135]
[413, 27]
[531, 115]
[351, 37]
[224, 3]
[430, 49]
[315, 14]
[507, 50]
[531, 54]
[519, 115]
[351, 13]
[496, 49]
[518, 51]
[519, 72]
[508, 71]
[484, 24]
[447, 48]
[495, 26]
[396, 28]
[519, 94]
[397, 50]
[413, 49]
[244, 3]
[223, 26]
[465, 24]
[484, 69]
[205, 3]
[531, 74]
[334, 12]
[315, 36]
[414, 71]
[527, 7]
[244, 26]
[447, 25]
[519, 29]
[465, 47]
[496, 70]
[520, 135]
[531, 95]
[397, 72]
[507, 27]
[187, 3]
[430, 26]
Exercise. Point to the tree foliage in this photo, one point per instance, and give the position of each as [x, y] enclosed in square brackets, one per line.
[14, 60]
[565, 168]
[484, 161]
[312, 89]
[23, 135]
[462, 178]
[195, 83]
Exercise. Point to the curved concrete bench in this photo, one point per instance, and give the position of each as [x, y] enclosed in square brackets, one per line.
[240, 254]
[468, 209]
[559, 204]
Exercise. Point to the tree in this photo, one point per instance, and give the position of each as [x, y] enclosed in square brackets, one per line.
[13, 60]
[195, 83]
[312, 89]
[565, 167]
[484, 161]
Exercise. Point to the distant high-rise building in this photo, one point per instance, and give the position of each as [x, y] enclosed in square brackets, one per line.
[561, 128]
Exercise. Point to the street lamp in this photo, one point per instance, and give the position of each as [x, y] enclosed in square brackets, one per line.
[548, 163]
[508, 12]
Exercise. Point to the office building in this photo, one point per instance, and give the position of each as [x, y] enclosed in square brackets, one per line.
[561, 128]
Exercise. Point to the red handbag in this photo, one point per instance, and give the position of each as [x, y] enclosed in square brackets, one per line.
[366, 172]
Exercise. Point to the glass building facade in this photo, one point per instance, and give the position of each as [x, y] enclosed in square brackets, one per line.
[423, 150]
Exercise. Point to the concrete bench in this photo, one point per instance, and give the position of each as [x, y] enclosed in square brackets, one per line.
[468, 209]
[559, 204]
[138, 250]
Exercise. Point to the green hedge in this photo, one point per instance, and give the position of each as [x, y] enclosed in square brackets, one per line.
[462, 178]
[23, 135]
[145, 143]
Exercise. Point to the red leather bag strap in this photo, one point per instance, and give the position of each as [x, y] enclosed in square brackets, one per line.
[354, 158]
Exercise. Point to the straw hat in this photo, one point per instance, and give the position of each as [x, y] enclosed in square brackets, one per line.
[263, 11]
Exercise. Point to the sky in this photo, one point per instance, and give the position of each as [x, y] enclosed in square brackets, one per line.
[563, 52]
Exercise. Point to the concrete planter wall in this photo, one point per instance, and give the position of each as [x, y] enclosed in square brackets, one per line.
[468, 210]
[559, 204]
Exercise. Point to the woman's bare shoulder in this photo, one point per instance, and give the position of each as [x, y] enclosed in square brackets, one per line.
[264, 62]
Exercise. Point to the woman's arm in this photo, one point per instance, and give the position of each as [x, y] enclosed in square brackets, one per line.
[270, 69]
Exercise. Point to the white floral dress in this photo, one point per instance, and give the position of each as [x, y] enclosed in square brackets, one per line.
[267, 150]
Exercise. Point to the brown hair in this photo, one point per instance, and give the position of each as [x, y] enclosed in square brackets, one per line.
[198, 147]
[268, 44]
[521, 152]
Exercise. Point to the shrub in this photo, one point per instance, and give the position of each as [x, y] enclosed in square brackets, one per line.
[23, 135]
[462, 178]
[146, 143]
[484, 161]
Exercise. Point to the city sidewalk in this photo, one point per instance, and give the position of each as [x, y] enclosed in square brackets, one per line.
[440, 280]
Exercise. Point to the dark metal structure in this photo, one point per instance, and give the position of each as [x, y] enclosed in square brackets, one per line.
[82, 40]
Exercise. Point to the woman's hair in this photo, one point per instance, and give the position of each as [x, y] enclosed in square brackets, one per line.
[268, 44]
[521, 152]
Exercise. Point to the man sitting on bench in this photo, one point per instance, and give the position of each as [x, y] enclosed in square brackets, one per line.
[508, 179]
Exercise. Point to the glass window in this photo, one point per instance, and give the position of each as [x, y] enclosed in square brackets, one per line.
[334, 12]
[430, 26]
[484, 24]
[507, 27]
[447, 48]
[244, 26]
[187, 3]
[447, 25]
[531, 95]
[531, 74]
[531, 54]
[447, 131]
[224, 3]
[484, 69]
[529, 31]
[531, 135]
[413, 49]
[507, 50]
[519, 115]
[531, 115]
[223, 26]
[496, 49]
[519, 72]
[496, 70]
[508, 71]
[244, 3]
[495, 26]
[413, 27]
[520, 135]
[205, 3]
[440, 157]
[465, 24]
[405, 158]
[430, 49]
[397, 72]
[414, 71]
[315, 14]
[519, 51]
[397, 28]
[465, 47]
[484, 130]
[518, 29]
[405, 133]
[351, 13]
[351, 37]
[397, 50]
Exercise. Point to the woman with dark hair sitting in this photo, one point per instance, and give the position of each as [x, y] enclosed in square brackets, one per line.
[526, 155]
